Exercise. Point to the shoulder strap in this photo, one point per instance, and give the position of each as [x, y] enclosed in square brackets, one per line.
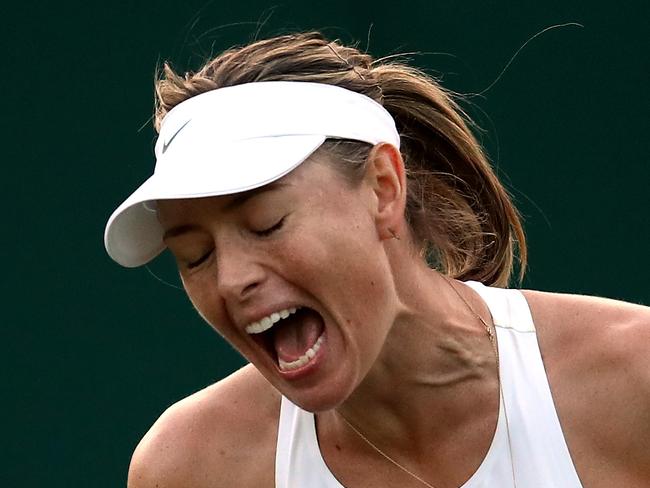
[298, 460]
[540, 453]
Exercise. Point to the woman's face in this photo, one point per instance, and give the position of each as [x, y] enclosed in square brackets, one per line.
[308, 242]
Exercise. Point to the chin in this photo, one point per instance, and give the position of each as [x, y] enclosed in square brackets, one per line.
[318, 402]
[319, 397]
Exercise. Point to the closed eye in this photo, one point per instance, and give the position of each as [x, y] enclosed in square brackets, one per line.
[199, 261]
[270, 230]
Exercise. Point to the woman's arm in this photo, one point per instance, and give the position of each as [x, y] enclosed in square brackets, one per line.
[597, 356]
[625, 396]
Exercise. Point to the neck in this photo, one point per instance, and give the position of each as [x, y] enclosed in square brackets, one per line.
[436, 370]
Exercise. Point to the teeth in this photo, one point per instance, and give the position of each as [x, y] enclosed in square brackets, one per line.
[302, 360]
[267, 322]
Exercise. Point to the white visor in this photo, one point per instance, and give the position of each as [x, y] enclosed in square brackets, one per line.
[236, 139]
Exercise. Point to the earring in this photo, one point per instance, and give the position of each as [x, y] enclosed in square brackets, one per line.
[393, 234]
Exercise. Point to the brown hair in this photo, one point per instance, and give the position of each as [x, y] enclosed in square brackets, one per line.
[459, 212]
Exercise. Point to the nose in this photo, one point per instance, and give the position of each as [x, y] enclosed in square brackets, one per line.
[239, 273]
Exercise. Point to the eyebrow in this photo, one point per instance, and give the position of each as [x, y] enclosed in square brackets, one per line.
[237, 201]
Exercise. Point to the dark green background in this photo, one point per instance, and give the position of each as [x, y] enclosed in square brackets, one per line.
[92, 353]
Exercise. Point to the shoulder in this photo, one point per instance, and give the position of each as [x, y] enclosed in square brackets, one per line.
[592, 330]
[597, 355]
[223, 435]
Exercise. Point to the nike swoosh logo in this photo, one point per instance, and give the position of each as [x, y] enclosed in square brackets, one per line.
[167, 143]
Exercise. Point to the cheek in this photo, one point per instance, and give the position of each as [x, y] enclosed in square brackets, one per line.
[343, 263]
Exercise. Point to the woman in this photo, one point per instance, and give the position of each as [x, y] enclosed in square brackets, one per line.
[336, 221]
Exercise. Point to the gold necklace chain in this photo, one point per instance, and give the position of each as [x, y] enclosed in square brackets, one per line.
[493, 341]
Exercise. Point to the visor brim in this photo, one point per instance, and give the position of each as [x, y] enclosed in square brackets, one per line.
[133, 234]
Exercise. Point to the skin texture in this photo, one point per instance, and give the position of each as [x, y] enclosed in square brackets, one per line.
[403, 358]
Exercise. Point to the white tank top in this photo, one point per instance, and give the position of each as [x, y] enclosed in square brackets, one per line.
[540, 457]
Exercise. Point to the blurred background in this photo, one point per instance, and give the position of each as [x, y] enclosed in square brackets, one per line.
[93, 353]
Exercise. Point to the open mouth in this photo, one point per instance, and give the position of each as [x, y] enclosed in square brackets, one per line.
[292, 337]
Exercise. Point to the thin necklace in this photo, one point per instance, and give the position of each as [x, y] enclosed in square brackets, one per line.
[493, 341]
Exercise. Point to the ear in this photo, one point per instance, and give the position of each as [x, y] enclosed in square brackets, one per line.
[386, 177]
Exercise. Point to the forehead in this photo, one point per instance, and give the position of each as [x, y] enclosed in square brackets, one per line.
[183, 215]
[168, 209]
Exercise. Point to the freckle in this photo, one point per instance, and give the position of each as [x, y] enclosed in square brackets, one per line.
[372, 283]
[222, 452]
